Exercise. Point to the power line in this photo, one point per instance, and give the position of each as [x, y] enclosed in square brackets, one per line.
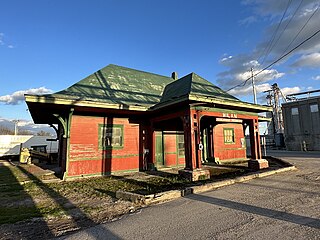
[301, 29]
[267, 50]
[284, 29]
[279, 59]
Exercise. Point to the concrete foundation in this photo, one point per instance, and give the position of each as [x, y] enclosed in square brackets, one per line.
[257, 164]
[195, 175]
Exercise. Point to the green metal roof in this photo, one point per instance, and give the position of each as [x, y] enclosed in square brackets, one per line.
[124, 88]
[193, 84]
[117, 85]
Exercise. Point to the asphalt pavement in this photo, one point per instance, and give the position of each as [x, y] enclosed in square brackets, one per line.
[281, 206]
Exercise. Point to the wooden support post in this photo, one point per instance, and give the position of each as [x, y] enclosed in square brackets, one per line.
[193, 170]
[256, 161]
[152, 148]
[187, 142]
[197, 138]
[255, 139]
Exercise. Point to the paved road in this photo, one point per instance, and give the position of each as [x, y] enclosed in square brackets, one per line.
[281, 206]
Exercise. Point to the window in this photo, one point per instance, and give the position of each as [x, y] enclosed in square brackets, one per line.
[294, 111]
[110, 136]
[228, 134]
[180, 141]
[314, 108]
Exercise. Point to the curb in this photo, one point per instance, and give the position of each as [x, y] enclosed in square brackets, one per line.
[174, 194]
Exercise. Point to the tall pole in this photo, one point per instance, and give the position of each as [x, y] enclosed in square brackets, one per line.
[253, 88]
[15, 126]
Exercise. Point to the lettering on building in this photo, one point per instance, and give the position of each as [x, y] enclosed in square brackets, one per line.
[229, 115]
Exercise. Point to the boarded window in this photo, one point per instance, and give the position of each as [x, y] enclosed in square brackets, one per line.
[180, 140]
[110, 136]
[228, 134]
[314, 108]
[294, 111]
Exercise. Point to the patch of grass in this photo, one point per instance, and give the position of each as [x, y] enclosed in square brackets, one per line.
[38, 199]
[15, 214]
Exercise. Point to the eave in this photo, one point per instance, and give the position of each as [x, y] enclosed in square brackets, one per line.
[236, 104]
[81, 103]
[264, 119]
[219, 102]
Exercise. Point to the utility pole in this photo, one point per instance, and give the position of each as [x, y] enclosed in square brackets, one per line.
[277, 108]
[253, 88]
[15, 126]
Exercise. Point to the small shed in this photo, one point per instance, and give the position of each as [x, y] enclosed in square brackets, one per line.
[120, 119]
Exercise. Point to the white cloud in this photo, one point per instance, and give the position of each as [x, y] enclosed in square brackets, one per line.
[247, 90]
[18, 96]
[275, 8]
[23, 123]
[239, 70]
[316, 77]
[308, 55]
[225, 58]
[308, 60]
[1, 38]
[26, 125]
[290, 90]
[3, 42]
[248, 20]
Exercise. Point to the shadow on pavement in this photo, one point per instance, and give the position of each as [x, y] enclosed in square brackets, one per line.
[284, 189]
[275, 214]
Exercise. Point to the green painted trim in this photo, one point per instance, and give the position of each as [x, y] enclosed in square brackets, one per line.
[230, 149]
[221, 110]
[230, 160]
[100, 174]
[101, 147]
[63, 123]
[68, 123]
[233, 135]
[225, 102]
[126, 171]
[177, 145]
[108, 156]
[81, 103]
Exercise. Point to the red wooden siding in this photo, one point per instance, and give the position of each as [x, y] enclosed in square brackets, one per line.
[85, 157]
[229, 151]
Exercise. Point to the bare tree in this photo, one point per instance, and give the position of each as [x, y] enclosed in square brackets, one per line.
[6, 131]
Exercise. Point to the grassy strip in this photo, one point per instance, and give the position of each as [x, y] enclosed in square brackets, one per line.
[38, 199]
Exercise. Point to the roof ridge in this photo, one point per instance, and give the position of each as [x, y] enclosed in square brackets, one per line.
[136, 70]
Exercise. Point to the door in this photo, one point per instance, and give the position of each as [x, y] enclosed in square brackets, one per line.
[159, 150]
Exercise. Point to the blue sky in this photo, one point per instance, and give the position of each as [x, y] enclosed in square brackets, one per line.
[48, 45]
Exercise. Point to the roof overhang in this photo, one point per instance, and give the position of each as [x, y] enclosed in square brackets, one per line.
[264, 119]
[236, 104]
[55, 105]
[219, 102]
[81, 103]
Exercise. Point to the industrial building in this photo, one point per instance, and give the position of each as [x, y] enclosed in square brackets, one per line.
[302, 121]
